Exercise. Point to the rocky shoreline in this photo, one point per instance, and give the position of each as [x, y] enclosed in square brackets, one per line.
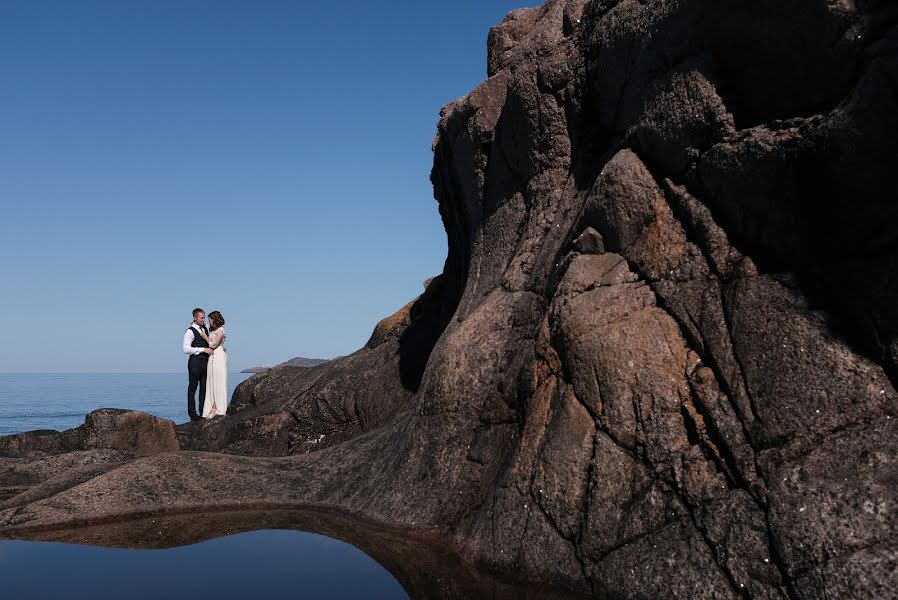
[660, 359]
[424, 564]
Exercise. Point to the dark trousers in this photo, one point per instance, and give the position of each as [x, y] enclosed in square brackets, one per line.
[196, 369]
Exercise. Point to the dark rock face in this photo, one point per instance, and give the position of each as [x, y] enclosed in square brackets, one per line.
[659, 361]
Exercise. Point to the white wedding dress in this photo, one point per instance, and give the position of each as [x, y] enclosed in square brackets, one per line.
[216, 376]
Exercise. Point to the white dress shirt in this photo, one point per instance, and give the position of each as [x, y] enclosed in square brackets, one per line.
[189, 336]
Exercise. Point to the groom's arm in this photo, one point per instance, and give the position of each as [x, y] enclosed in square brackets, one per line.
[188, 340]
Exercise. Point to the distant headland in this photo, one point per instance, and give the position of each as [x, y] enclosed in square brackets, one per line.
[298, 361]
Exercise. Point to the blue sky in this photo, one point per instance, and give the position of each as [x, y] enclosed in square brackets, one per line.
[266, 159]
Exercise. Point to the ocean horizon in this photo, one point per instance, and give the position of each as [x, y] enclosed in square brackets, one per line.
[32, 400]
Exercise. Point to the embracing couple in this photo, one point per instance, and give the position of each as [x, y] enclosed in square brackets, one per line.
[207, 365]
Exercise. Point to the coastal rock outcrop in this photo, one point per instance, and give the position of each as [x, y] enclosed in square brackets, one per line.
[130, 431]
[660, 359]
[108, 437]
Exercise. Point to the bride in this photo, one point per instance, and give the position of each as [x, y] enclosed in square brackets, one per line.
[217, 373]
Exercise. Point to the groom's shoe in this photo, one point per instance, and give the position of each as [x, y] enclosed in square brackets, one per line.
[195, 417]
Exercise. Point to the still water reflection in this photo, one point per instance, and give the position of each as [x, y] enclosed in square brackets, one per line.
[243, 554]
[258, 564]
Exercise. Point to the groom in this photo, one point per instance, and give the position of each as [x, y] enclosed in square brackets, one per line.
[199, 352]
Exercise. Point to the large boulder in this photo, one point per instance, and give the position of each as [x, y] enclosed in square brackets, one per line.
[131, 431]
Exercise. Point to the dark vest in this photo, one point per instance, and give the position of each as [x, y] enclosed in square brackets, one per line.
[199, 342]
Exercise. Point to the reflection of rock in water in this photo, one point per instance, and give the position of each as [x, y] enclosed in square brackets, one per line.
[425, 567]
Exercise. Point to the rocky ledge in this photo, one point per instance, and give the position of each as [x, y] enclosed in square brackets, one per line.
[660, 359]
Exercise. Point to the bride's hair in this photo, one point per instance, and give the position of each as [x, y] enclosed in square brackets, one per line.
[216, 320]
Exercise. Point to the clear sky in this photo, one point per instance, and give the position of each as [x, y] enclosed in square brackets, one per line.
[268, 159]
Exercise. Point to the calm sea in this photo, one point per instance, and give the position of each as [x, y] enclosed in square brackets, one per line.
[60, 400]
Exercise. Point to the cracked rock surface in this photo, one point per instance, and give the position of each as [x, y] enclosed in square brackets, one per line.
[659, 361]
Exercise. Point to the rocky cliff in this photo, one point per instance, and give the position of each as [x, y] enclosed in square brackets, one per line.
[659, 361]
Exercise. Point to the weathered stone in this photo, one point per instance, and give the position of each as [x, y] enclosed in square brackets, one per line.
[129, 431]
[504, 37]
[21, 474]
[132, 431]
[43, 441]
[590, 242]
